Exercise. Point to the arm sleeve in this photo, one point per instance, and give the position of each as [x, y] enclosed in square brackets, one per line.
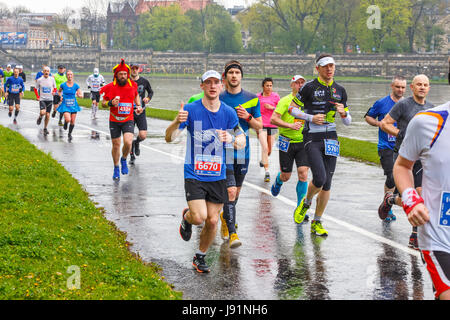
[299, 114]
[347, 120]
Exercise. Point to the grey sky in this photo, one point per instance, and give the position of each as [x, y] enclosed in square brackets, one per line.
[46, 6]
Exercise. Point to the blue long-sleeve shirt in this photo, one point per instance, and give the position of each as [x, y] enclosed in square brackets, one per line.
[14, 85]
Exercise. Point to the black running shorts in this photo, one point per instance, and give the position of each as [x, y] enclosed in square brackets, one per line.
[117, 128]
[270, 131]
[297, 153]
[13, 99]
[95, 95]
[46, 105]
[141, 121]
[212, 191]
[56, 99]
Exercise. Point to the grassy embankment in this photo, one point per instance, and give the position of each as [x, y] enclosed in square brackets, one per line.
[351, 148]
[48, 224]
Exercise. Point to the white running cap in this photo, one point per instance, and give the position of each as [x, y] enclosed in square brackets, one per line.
[211, 74]
[296, 77]
[8, 66]
[96, 71]
[325, 61]
[46, 68]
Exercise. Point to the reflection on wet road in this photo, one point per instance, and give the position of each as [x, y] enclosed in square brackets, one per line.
[362, 258]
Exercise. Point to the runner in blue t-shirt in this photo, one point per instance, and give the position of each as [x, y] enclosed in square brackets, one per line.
[14, 88]
[69, 106]
[247, 108]
[211, 125]
[386, 142]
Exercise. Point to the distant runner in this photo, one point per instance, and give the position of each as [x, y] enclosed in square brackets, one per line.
[60, 78]
[386, 142]
[69, 106]
[14, 88]
[120, 96]
[210, 124]
[94, 83]
[140, 120]
[291, 145]
[44, 91]
[268, 101]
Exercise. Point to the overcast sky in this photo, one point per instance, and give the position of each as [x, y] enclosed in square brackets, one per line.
[56, 6]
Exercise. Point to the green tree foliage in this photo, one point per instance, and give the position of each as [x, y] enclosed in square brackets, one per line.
[309, 26]
[211, 29]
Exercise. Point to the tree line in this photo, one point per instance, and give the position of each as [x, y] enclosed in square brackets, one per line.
[341, 26]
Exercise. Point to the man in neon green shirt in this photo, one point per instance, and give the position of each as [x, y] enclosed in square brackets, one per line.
[60, 78]
[290, 143]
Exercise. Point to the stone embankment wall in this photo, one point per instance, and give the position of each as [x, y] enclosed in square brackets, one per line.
[370, 65]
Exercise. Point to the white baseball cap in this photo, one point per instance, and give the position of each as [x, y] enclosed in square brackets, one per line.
[296, 77]
[96, 71]
[325, 61]
[211, 74]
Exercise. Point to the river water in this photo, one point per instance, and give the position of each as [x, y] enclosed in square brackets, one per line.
[168, 93]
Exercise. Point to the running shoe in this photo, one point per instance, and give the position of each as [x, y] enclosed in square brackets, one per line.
[276, 188]
[39, 120]
[385, 207]
[123, 163]
[132, 158]
[53, 114]
[185, 227]
[300, 212]
[261, 164]
[116, 175]
[199, 263]
[69, 136]
[60, 123]
[45, 131]
[15, 121]
[390, 217]
[317, 229]
[267, 177]
[9, 114]
[223, 228]
[234, 241]
[137, 151]
[413, 243]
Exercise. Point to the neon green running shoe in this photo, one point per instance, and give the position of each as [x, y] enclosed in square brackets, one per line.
[317, 229]
[300, 212]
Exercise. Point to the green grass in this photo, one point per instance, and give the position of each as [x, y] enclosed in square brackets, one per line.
[359, 150]
[48, 223]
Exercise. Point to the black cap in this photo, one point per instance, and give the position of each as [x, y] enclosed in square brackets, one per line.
[134, 65]
[61, 66]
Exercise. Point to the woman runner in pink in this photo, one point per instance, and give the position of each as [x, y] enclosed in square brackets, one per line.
[268, 101]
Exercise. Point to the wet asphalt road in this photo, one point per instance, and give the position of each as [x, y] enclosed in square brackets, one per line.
[362, 258]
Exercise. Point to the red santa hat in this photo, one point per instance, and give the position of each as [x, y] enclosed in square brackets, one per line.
[122, 66]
